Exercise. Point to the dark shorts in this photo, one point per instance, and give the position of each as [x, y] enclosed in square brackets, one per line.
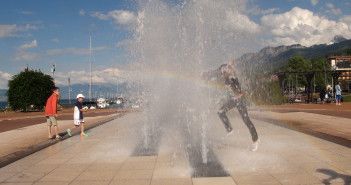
[338, 97]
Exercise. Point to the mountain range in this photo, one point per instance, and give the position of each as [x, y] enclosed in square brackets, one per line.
[3, 95]
[273, 58]
[99, 90]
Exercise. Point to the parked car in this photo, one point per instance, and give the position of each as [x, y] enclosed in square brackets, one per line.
[89, 105]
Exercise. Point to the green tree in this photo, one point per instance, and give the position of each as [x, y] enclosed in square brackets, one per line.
[275, 93]
[29, 88]
[298, 64]
[321, 80]
[348, 51]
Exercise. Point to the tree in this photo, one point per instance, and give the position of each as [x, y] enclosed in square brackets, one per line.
[321, 80]
[29, 88]
[298, 64]
[348, 51]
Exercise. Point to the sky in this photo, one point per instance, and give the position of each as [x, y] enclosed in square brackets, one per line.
[41, 33]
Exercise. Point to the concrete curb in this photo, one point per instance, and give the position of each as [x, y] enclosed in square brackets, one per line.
[293, 125]
[10, 158]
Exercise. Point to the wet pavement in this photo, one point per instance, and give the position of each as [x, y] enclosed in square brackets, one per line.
[113, 153]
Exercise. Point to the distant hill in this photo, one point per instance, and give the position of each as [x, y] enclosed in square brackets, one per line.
[273, 58]
[3, 96]
[100, 90]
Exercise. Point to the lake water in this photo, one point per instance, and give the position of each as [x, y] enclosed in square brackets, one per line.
[3, 104]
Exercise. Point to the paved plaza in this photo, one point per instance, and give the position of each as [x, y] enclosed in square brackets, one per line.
[113, 154]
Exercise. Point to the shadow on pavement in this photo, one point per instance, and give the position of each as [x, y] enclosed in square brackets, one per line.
[334, 175]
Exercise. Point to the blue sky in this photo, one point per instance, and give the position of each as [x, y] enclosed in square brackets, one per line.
[41, 33]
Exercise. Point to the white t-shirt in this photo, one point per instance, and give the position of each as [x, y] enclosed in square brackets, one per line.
[78, 115]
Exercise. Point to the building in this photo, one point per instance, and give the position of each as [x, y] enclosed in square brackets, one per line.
[343, 65]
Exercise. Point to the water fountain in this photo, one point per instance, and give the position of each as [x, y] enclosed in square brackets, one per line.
[173, 46]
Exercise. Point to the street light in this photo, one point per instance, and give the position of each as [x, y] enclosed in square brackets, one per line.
[69, 90]
[53, 69]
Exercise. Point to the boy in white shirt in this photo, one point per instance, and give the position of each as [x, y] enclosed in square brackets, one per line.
[78, 116]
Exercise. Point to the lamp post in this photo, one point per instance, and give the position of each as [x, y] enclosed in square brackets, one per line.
[69, 90]
[53, 69]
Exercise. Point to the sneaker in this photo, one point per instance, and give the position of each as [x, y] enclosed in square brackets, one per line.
[83, 134]
[254, 146]
[230, 133]
[59, 138]
[69, 132]
[52, 137]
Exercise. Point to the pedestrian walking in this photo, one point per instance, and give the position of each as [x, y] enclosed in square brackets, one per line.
[51, 113]
[338, 94]
[322, 96]
[78, 120]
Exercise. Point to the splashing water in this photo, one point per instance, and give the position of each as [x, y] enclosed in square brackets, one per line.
[173, 46]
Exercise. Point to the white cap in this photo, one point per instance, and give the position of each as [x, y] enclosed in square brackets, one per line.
[80, 96]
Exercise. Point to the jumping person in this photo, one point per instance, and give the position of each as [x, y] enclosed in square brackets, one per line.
[235, 99]
[78, 116]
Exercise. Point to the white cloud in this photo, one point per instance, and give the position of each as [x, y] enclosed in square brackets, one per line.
[4, 78]
[121, 17]
[301, 26]
[55, 40]
[26, 56]
[332, 10]
[99, 15]
[107, 75]
[31, 56]
[269, 11]
[32, 44]
[23, 55]
[330, 5]
[124, 44]
[314, 2]
[240, 23]
[26, 12]
[7, 30]
[346, 20]
[75, 51]
[335, 11]
[81, 12]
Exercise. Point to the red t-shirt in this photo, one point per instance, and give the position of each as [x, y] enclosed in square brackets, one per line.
[51, 105]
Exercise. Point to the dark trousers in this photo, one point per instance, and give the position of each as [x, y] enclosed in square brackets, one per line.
[240, 105]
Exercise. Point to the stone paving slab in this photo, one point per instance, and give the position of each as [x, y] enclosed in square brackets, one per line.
[335, 129]
[105, 157]
[26, 140]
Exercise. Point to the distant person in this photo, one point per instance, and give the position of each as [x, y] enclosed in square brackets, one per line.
[291, 98]
[78, 116]
[338, 94]
[329, 95]
[235, 99]
[322, 95]
[51, 113]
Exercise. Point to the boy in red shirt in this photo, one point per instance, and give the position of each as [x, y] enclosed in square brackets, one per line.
[51, 113]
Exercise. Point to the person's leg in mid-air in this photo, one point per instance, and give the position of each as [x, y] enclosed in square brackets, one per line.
[245, 116]
[229, 104]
